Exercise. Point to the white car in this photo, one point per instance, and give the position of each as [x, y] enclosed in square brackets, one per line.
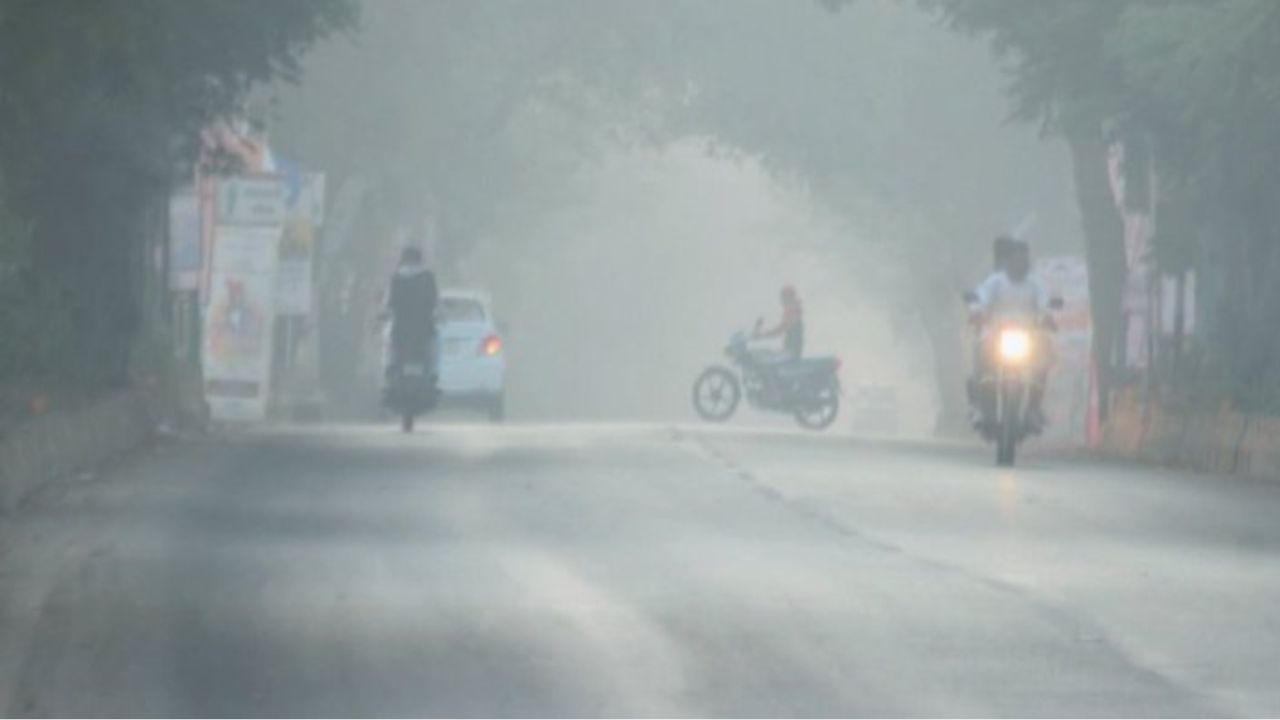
[472, 357]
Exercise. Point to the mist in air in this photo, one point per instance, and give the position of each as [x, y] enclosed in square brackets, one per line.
[633, 182]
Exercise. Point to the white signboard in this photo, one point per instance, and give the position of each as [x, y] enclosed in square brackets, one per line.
[1067, 402]
[238, 322]
[252, 201]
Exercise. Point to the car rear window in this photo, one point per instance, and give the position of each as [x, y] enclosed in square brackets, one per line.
[461, 310]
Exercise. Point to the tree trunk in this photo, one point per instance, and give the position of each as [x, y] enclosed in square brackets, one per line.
[947, 342]
[1104, 254]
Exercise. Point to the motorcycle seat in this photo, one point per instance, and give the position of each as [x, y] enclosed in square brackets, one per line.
[804, 366]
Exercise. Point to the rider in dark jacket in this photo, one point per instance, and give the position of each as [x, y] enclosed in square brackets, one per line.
[411, 305]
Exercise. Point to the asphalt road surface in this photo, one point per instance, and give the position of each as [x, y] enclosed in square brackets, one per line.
[628, 570]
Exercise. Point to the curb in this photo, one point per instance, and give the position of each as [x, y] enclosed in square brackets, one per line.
[57, 445]
[1226, 443]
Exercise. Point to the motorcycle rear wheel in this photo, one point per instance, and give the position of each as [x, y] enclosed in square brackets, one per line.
[716, 394]
[823, 411]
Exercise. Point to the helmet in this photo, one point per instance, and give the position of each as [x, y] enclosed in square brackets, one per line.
[411, 255]
[788, 293]
[1019, 259]
[1001, 248]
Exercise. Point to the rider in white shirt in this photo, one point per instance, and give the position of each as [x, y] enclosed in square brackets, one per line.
[1011, 295]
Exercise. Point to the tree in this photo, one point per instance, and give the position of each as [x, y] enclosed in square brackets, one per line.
[1204, 82]
[1192, 89]
[101, 104]
[1063, 78]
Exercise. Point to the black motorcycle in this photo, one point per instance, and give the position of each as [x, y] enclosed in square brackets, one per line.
[412, 387]
[808, 389]
[411, 392]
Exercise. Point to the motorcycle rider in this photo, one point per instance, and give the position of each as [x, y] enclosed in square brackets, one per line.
[790, 328]
[1001, 247]
[1014, 296]
[411, 307]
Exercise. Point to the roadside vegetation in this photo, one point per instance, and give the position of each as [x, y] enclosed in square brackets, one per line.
[101, 105]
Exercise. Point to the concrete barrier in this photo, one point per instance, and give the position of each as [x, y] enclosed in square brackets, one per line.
[62, 443]
[1224, 442]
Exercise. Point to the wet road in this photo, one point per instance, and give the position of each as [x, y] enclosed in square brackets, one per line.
[636, 571]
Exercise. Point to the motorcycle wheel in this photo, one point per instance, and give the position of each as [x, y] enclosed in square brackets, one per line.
[823, 411]
[1009, 432]
[716, 394]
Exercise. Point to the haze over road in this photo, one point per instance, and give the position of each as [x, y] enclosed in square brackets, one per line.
[635, 570]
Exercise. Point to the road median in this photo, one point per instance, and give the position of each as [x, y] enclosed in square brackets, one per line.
[58, 444]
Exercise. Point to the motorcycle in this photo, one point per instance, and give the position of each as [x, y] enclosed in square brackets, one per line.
[1014, 353]
[411, 391]
[808, 389]
[411, 386]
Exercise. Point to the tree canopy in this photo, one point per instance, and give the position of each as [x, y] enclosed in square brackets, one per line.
[100, 106]
[1191, 88]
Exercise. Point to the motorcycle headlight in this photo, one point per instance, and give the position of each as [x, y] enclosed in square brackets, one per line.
[1015, 345]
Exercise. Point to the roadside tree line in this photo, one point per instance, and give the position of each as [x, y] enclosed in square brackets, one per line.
[101, 107]
[1190, 90]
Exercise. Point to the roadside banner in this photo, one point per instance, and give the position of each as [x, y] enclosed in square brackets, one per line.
[1067, 402]
[185, 251]
[297, 248]
[238, 321]
[252, 200]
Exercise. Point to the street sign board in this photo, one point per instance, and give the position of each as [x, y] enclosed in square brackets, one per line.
[252, 200]
[238, 322]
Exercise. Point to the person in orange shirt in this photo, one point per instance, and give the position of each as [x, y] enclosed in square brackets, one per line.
[790, 328]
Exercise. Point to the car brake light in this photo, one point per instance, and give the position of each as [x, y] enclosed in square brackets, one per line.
[491, 346]
[839, 365]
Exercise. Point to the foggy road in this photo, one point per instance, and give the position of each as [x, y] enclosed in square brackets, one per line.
[635, 570]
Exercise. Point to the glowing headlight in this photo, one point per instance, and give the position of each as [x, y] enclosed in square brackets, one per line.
[1015, 345]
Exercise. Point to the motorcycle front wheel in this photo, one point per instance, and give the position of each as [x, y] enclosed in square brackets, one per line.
[1009, 432]
[716, 394]
[819, 412]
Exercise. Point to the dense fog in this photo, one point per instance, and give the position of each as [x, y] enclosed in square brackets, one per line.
[632, 182]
